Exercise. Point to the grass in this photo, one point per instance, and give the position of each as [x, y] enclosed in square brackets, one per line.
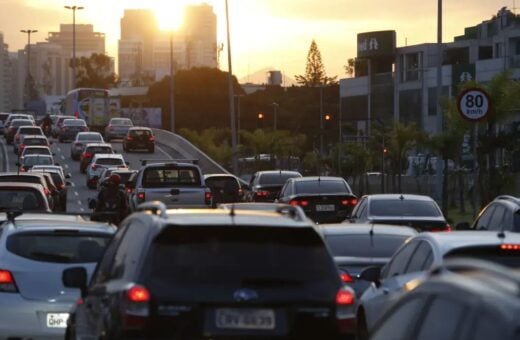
[455, 216]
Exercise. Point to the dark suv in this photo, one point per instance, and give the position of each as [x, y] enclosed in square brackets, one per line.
[139, 138]
[201, 274]
[265, 185]
[503, 213]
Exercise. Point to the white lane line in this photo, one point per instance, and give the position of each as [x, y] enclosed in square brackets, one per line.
[80, 203]
[66, 166]
[81, 209]
[59, 149]
[72, 184]
[76, 193]
[62, 157]
[164, 152]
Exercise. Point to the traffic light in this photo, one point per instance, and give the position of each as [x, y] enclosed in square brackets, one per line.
[260, 115]
[385, 151]
[260, 120]
[327, 121]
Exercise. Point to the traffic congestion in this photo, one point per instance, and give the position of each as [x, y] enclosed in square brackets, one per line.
[120, 240]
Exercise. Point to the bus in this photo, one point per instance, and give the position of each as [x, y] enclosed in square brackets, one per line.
[89, 104]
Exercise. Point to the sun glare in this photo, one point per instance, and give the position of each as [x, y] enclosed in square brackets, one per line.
[169, 13]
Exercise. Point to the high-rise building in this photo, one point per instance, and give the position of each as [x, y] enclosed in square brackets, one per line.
[6, 103]
[200, 30]
[88, 42]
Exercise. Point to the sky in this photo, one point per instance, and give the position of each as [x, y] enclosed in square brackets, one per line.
[273, 34]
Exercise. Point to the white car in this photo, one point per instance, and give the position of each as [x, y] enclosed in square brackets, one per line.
[100, 161]
[36, 150]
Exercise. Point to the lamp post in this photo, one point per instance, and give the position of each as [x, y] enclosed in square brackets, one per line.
[439, 121]
[238, 116]
[74, 8]
[28, 77]
[275, 115]
[234, 153]
[172, 87]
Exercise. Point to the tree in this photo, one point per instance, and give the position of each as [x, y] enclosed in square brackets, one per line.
[350, 67]
[314, 71]
[95, 71]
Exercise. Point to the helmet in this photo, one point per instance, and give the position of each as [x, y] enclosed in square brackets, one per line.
[114, 179]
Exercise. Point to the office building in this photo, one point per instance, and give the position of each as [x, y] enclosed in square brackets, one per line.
[6, 92]
[88, 42]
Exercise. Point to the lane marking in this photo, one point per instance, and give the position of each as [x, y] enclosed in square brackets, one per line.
[164, 152]
[81, 209]
[76, 193]
[59, 149]
[66, 166]
[72, 184]
[80, 203]
[62, 157]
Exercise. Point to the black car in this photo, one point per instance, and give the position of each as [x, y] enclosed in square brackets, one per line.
[464, 299]
[201, 274]
[265, 186]
[324, 199]
[138, 138]
[226, 188]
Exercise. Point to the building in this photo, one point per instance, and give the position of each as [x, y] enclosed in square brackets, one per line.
[200, 30]
[6, 103]
[162, 54]
[88, 42]
[400, 84]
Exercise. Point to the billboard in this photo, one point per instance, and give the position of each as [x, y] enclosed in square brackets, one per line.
[143, 116]
[376, 44]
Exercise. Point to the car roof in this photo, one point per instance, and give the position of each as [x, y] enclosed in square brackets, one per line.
[98, 144]
[448, 241]
[46, 221]
[73, 120]
[108, 155]
[266, 172]
[362, 228]
[220, 175]
[37, 147]
[37, 155]
[34, 136]
[399, 197]
[140, 128]
[36, 186]
[316, 178]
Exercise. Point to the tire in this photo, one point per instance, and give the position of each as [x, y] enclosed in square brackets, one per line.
[361, 331]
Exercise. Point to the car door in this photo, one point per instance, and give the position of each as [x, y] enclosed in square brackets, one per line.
[359, 214]
[376, 298]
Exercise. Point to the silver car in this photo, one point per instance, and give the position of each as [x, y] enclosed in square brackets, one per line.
[82, 139]
[34, 251]
[117, 128]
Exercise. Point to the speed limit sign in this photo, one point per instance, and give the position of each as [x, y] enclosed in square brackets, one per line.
[474, 104]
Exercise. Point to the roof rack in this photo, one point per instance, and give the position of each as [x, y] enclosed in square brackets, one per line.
[154, 207]
[294, 212]
[168, 160]
[470, 264]
[508, 197]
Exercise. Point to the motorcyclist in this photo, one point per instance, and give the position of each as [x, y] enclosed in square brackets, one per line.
[46, 123]
[112, 199]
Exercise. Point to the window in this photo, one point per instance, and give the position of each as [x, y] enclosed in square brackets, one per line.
[495, 223]
[364, 245]
[443, 321]
[399, 262]
[128, 253]
[485, 217]
[420, 258]
[489, 326]
[109, 161]
[404, 207]
[102, 273]
[400, 323]
[276, 178]
[321, 187]
[167, 177]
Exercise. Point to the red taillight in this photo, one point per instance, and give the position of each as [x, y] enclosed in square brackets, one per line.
[346, 278]
[129, 190]
[141, 197]
[138, 294]
[21, 147]
[94, 166]
[7, 283]
[301, 203]
[61, 186]
[347, 202]
[262, 193]
[446, 228]
[46, 191]
[345, 297]
[151, 139]
[22, 169]
[207, 197]
[129, 138]
[87, 155]
[510, 246]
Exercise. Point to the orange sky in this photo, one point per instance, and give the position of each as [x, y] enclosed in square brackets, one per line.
[265, 33]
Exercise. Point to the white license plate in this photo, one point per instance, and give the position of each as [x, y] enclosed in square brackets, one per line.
[325, 207]
[57, 320]
[230, 318]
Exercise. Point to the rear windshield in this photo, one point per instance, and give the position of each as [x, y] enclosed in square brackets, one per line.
[321, 187]
[276, 178]
[166, 177]
[139, 133]
[364, 245]
[35, 141]
[403, 208]
[30, 130]
[225, 183]
[109, 161]
[125, 176]
[21, 179]
[56, 178]
[37, 160]
[508, 258]
[192, 260]
[21, 199]
[90, 136]
[125, 122]
[74, 122]
[39, 151]
[99, 149]
[16, 123]
[59, 246]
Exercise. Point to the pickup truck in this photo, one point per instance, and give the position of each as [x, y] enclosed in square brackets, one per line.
[177, 183]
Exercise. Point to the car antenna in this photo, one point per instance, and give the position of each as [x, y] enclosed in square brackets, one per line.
[232, 210]
[371, 233]
[501, 234]
[401, 197]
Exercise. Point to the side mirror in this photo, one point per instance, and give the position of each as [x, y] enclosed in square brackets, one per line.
[68, 183]
[371, 274]
[127, 163]
[75, 277]
[462, 226]
[18, 164]
[67, 176]
[92, 203]
[57, 164]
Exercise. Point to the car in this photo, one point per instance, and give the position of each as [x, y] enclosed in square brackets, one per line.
[226, 188]
[417, 211]
[463, 299]
[14, 116]
[36, 150]
[13, 128]
[265, 186]
[54, 202]
[23, 197]
[265, 275]
[26, 177]
[3, 118]
[32, 140]
[503, 213]
[358, 246]
[35, 248]
[100, 161]
[89, 151]
[82, 139]
[57, 124]
[71, 127]
[29, 161]
[52, 167]
[117, 128]
[25, 130]
[61, 184]
[325, 199]
[411, 263]
[138, 138]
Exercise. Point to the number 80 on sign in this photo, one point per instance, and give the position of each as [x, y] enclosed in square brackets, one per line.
[474, 104]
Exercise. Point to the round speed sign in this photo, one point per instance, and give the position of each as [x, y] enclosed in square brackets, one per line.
[474, 104]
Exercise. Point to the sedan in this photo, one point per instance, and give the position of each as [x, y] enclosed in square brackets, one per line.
[324, 199]
[70, 128]
[28, 161]
[82, 139]
[117, 128]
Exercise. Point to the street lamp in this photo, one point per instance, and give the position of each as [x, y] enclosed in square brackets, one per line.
[275, 115]
[28, 77]
[74, 8]
[172, 86]
[234, 152]
[238, 116]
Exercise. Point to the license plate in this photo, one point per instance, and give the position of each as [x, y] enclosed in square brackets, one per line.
[57, 320]
[325, 207]
[230, 318]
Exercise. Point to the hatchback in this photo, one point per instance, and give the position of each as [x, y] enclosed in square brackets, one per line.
[226, 188]
[82, 139]
[139, 138]
[70, 128]
[117, 128]
[89, 151]
[34, 251]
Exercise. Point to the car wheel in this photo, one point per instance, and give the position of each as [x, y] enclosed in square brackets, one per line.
[361, 331]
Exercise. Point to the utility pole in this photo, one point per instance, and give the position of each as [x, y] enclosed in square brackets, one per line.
[74, 9]
[172, 86]
[234, 152]
[439, 166]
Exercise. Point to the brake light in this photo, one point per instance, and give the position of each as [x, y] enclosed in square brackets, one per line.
[61, 186]
[7, 283]
[87, 155]
[347, 202]
[346, 278]
[262, 193]
[345, 297]
[138, 294]
[129, 138]
[510, 246]
[141, 197]
[46, 191]
[207, 197]
[94, 166]
[151, 139]
[129, 190]
[301, 203]
[446, 228]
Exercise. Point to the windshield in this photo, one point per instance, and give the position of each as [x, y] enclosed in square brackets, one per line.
[404, 208]
[354, 245]
[275, 178]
